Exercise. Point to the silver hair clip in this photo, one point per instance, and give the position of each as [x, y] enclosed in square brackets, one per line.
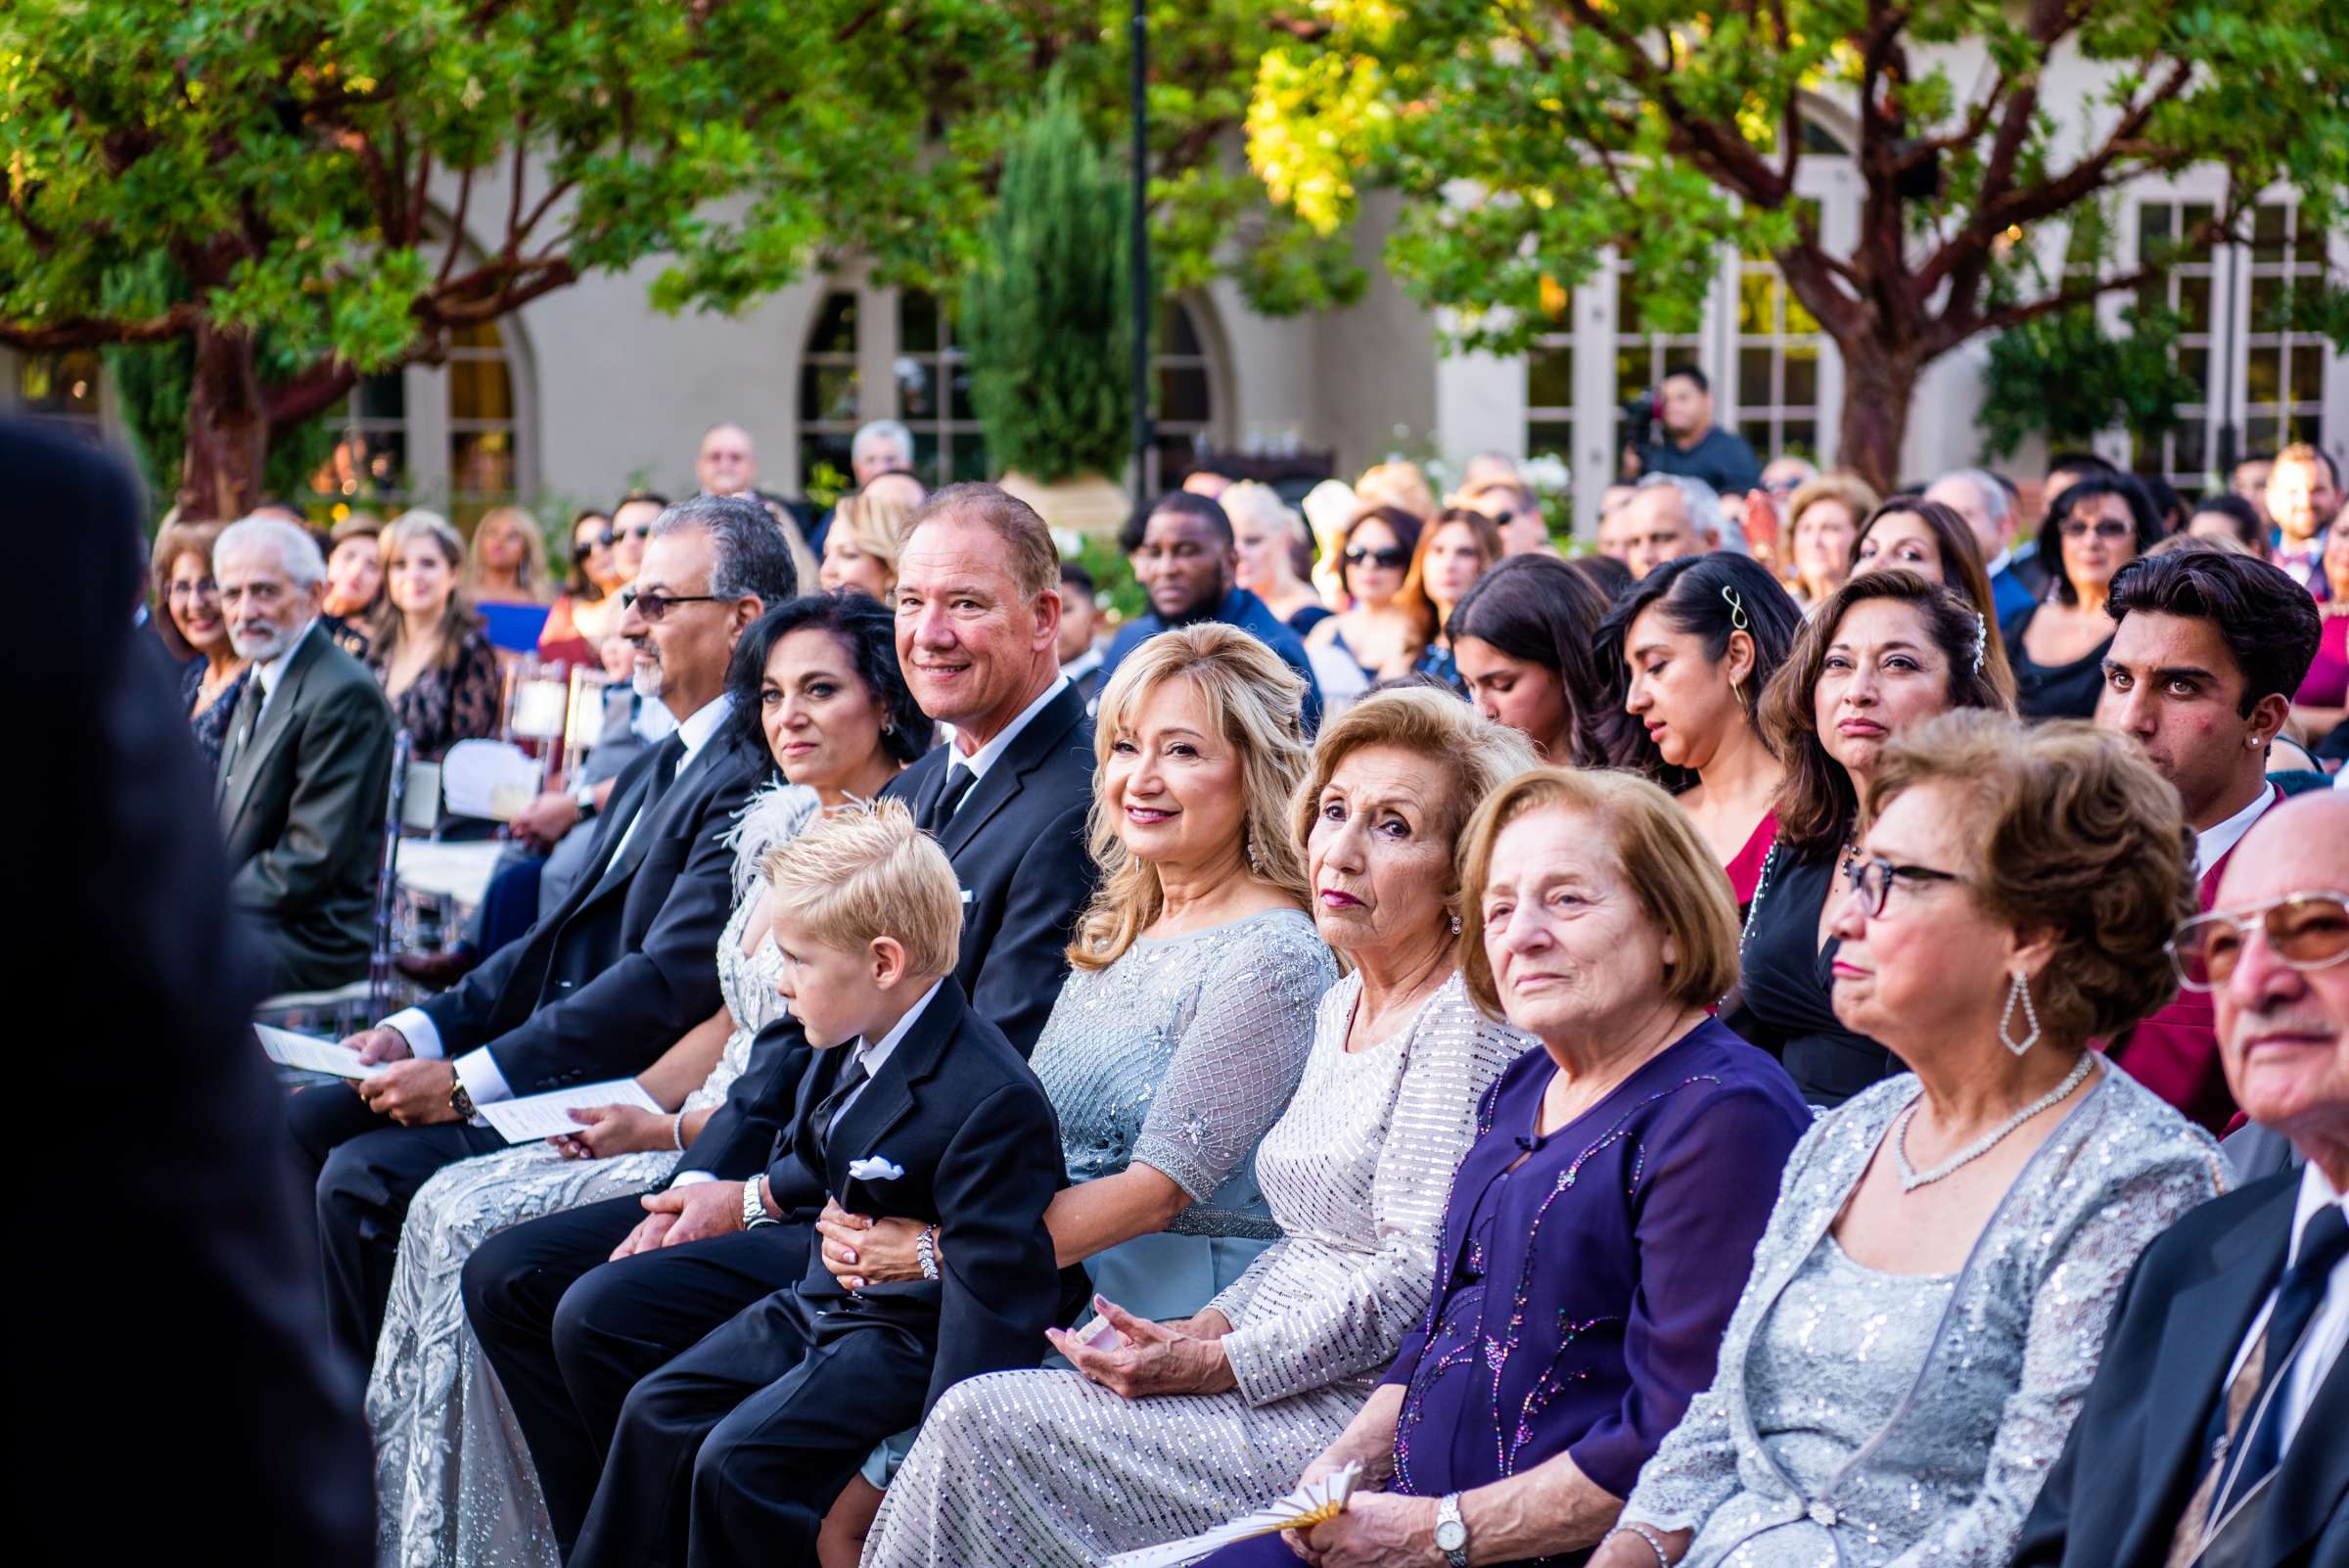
[1737, 616]
[1981, 641]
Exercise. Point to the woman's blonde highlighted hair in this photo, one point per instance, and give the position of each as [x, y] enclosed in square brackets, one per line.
[1253, 700]
[1666, 862]
[876, 525]
[862, 873]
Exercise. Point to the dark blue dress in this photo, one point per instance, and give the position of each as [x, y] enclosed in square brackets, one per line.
[209, 728]
[1584, 1293]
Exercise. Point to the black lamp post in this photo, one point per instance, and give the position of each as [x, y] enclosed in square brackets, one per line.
[1140, 29]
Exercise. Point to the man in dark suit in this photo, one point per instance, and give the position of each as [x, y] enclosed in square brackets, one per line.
[731, 1453]
[978, 622]
[621, 969]
[2216, 1432]
[306, 769]
[203, 1317]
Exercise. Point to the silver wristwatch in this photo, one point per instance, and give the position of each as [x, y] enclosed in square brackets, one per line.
[754, 1207]
[1452, 1531]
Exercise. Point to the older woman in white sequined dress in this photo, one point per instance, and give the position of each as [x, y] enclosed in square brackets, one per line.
[1179, 1425]
[1929, 1299]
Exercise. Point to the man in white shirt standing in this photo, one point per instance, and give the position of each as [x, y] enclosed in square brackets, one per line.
[612, 978]
[2217, 1429]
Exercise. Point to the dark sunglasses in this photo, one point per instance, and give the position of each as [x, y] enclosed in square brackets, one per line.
[611, 536]
[1393, 558]
[2072, 528]
[655, 607]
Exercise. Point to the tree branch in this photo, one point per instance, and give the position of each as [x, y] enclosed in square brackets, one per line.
[456, 229]
[90, 332]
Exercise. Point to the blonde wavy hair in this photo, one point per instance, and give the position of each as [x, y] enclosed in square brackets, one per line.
[864, 872]
[1255, 701]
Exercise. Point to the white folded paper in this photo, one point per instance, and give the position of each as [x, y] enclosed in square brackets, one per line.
[489, 778]
[1300, 1509]
[543, 1116]
[310, 1053]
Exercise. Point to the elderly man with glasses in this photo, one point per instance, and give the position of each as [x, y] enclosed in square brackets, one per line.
[2217, 1429]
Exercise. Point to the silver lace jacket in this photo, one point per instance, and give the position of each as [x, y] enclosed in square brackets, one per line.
[1947, 1480]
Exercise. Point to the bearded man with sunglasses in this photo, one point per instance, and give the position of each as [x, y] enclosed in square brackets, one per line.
[2200, 673]
[2216, 1432]
[610, 979]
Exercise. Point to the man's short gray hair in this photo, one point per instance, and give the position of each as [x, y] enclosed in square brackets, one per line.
[1997, 505]
[1703, 502]
[880, 429]
[753, 558]
[298, 553]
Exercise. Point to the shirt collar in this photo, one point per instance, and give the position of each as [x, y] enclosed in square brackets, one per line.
[985, 757]
[1083, 665]
[2212, 843]
[2315, 1193]
[697, 728]
[873, 1055]
[2000, 562]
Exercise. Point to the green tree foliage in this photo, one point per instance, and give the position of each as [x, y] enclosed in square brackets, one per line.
[1047, 313]
[304, 174]
[1537, 134]
[2063, 377]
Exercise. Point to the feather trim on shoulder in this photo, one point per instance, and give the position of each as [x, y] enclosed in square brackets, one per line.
[773, 815]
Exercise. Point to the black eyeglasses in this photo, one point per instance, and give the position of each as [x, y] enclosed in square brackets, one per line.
[1872, 880]
[655, 607]
[611, 536]
[1393, 558]
[2307, 931]
[2112, 530]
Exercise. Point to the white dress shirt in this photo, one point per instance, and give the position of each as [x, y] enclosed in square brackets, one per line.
[477, 1069]
[269, 673]
[985, 757]
[2211, 844]
[2328, 1330]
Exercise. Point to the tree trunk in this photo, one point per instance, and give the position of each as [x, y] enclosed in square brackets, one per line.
[1877, 386]
[229, 428]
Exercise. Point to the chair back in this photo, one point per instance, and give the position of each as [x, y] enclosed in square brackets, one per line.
[386, 881]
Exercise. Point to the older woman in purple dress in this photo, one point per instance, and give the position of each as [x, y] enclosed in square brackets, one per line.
[1597, 1232]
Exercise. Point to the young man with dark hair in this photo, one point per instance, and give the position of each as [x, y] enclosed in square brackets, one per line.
[1079, 658]
[1692, 443]
[2200, 673]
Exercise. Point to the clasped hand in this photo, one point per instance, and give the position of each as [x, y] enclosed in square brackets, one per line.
[862, 1251]
[1154, 1358]
[680, 1215]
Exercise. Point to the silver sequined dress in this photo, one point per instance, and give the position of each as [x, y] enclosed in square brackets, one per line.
[454, 1484]
[1043, 1469]
[1863, 1421]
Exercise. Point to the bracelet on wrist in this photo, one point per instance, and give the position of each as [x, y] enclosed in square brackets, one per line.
[1655, 1543]
[925, 1251]
[676, 1132]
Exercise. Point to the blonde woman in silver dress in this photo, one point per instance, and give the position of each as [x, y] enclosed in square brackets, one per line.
[1180, 1425]
[454, 1485]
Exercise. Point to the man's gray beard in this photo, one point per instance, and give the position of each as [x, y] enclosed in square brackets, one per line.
[260, 650]
[645, 681]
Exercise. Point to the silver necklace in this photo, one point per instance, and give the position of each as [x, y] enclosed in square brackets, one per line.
[1913, 1178]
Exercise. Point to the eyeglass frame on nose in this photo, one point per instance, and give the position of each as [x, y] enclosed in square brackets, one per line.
[2110, 528]
[1884, 872]
[654, 608]
[2244, 922]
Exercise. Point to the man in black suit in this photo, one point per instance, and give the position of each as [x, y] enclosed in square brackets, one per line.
[731, 1453]
[202, 1317]
[2217, 1430]
[618, 973]
[978, 624]
[307, 768]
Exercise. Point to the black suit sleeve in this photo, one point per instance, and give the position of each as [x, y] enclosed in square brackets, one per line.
[639, 1006]
[1000, 1288]
[740, 1135]
[1021, 975]
[342, 782]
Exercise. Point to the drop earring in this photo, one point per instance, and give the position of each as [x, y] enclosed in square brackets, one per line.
[2020, 989]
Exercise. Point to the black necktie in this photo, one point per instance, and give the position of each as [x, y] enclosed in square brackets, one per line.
[242, 720]
[851, 1079]
[665, 757]
[2301, 1292]
[941, 811]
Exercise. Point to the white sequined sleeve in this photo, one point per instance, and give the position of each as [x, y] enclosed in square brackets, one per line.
[1239, 1057]
[1354, 1324]
[2070, 1312]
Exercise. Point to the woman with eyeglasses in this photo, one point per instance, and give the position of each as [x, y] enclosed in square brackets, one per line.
[2096, 526]
[188, 601]
[1931, 1296]
[427, 650]
[1692, 646]
[1461, 546]
[589, 607]
[1885, 652]
[1388, 624]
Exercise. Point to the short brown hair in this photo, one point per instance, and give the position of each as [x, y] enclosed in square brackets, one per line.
[1817, 804]
[1433, 722]
[1034, 562]
[1858, 496]
[859, 873]
[1668, 864]
[2075, 834]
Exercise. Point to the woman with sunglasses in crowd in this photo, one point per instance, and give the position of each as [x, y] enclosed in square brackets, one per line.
[2094, 526]
[1388, 624]
[589, 607]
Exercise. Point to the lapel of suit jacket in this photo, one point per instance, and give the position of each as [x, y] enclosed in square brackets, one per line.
[269, 728]
[2199, 1336]
[2314, 1477]
[663, 810]
[889, 1100]
[1046, 733]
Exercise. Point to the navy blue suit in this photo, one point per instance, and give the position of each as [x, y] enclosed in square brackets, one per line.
[1240, 608]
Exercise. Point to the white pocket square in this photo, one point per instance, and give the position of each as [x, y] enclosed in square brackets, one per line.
[874, 1168]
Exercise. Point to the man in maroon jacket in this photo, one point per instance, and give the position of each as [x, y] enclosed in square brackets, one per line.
[2210, 647]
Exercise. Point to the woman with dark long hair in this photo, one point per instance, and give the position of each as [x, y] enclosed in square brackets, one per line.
[1526, 640]
[2095, 527]
[427, 650]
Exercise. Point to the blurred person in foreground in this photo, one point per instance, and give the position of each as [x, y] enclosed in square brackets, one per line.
[2217, 1429]
[260, 1457]
[1929, 1299]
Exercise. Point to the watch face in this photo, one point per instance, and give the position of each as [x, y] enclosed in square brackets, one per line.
[1450, 1535]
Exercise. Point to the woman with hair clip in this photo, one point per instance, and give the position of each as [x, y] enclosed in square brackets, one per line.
[1909, 534]
[1526, 638]
[1883, 652]
[1692, 646]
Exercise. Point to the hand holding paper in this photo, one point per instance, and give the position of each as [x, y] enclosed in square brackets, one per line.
[310, 1055]
[546, 1116]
